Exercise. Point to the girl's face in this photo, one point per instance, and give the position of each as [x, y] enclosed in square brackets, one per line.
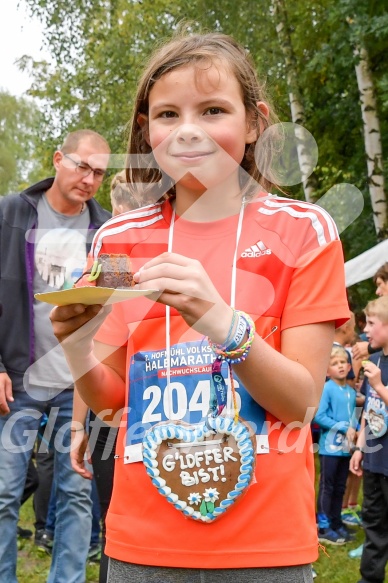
[198, 128]
[381, 287]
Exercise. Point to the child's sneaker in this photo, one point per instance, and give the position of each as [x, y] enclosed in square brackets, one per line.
[329, 536]
[356, 553]
[344, 532]
[351, 516]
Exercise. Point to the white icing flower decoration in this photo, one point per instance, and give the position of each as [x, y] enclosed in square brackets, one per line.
[194, 498]
[211, 495]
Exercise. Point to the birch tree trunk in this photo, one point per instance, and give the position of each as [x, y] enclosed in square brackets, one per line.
[295, 98]
[372, 140]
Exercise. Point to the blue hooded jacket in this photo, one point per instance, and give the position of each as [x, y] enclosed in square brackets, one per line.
[336, 413]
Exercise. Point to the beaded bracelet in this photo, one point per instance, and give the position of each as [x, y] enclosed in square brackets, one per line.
[239, 354]
[236, 355]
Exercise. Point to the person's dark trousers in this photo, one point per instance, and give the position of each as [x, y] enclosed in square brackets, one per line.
[96, 515]
[375, 524]
[32, 482]
[334, 471]
[45, 467]
[102, 451]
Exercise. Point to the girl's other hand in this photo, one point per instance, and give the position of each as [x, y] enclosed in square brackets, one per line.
[75, 325]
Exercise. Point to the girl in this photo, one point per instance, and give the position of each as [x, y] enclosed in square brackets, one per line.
[219, 242]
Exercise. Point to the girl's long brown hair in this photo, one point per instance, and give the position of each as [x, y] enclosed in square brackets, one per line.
[202, 50]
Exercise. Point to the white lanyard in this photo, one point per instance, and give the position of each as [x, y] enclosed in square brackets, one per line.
[233, 280]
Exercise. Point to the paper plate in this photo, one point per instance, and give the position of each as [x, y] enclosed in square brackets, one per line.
[90, 295]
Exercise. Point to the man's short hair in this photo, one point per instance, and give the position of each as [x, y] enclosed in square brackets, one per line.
[73, 139]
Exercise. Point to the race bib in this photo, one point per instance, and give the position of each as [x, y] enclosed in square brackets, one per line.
[185, 399]
[378, 421]
[376, 414]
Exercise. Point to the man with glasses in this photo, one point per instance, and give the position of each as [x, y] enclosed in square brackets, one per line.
[45, 233]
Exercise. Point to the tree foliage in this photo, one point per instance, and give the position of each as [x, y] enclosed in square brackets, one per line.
[18, 134]
[99, 48]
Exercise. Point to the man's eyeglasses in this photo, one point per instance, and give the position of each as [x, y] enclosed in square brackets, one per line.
[84, 169]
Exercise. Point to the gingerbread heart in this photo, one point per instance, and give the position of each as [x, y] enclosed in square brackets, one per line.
[201, 469]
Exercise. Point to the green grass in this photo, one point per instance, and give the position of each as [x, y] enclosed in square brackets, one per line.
[33, 566]
[334, 565]
[337, 567]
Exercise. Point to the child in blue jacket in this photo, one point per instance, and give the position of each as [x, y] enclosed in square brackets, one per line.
[337, 420]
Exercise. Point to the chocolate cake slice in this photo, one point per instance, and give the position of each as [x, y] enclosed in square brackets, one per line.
[115, 271]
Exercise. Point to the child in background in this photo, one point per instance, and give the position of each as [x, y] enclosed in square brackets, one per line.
[218, 242]
[336, 418]
[345, 336]
[121, 197]
[370, 458]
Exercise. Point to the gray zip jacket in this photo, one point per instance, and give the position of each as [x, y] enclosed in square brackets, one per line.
[18, 214]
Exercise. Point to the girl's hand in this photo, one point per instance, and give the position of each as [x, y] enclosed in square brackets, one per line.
[185, 286]
[373, 373]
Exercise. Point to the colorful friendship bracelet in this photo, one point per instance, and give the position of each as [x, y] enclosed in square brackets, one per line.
[239, 334]
[245, 325]
[237, 355]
